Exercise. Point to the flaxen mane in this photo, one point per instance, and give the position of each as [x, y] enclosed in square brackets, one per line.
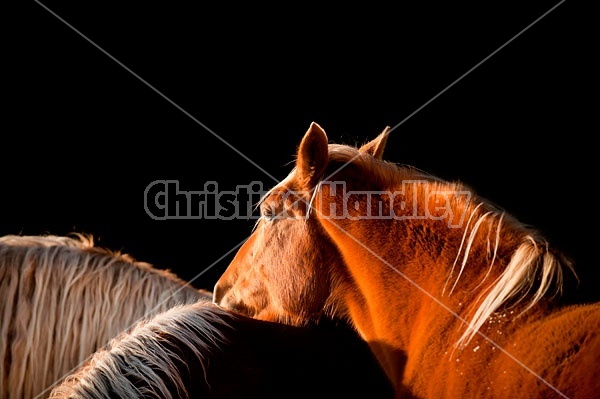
[62, 298]
[533, 272]
[155, 359]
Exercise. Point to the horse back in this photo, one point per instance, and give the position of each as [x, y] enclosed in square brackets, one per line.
[561, 349]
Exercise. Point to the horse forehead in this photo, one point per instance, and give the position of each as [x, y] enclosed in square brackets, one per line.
[288, 182]
[285, 187]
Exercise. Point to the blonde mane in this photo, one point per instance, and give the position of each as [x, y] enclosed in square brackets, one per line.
[61, 299]
[533, 272]
[143, 363]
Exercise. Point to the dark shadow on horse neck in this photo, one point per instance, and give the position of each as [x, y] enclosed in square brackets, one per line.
[271, 360]
[399, 358]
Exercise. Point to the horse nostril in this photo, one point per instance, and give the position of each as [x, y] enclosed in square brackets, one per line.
[218, 293]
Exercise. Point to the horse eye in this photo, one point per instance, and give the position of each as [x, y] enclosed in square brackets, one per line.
[268, 212]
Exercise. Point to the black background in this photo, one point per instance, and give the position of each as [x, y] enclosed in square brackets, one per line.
[83, 137]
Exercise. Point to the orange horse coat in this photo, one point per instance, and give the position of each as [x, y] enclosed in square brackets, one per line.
[455, 298]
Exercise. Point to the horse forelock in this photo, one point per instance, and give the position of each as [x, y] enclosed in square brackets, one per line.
[144, 361]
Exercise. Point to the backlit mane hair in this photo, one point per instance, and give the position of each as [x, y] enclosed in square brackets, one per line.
[143, 362]
[61, 299]
[343, 154]
[384, 172]
[533, 272]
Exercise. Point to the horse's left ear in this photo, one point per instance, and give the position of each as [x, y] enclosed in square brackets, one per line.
[376, 146]
[313, 155]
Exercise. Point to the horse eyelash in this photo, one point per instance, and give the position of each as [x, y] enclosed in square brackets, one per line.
[267, 213]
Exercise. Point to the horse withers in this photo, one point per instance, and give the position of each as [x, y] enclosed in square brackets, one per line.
[456, 298]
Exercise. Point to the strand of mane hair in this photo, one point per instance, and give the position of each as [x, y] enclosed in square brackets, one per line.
[533, 273]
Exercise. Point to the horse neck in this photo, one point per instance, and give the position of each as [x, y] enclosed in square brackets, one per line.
[422, 260]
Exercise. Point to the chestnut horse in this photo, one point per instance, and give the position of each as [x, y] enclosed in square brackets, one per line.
[204, 351]
[62, 298]
[456, 298]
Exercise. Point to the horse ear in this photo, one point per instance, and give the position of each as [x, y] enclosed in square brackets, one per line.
[313, 154]
[376, 146]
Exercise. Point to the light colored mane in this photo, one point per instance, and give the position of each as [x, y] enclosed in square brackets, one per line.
[385, 173]
[61, 299]
[142, 363]
[533, 272]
